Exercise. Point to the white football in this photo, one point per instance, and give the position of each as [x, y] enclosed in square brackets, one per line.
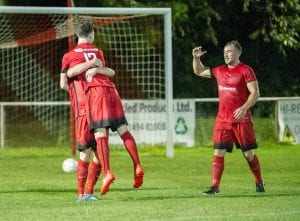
[69, 165]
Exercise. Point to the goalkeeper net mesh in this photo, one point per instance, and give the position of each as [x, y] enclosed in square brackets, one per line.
[31, 49]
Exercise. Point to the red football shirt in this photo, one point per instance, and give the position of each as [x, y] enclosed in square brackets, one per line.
[232, 90]
[82, 53]
[77, 85]
[76, 91]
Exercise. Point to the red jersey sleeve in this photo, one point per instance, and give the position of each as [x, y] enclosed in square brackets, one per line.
[65, 64]
[249, 74]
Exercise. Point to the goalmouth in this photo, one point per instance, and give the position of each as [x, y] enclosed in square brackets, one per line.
[137, 43]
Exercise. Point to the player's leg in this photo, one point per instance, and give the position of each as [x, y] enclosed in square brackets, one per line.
[103, 153]
[131, 148]
[102, 149]
[94, 169]
[84, 154]
[223, 142]
[82, 172]
[98, 110]
[119, 122]
[129, 143]
[254, 166]
[244, 133]
[93, 176]
[216, 171]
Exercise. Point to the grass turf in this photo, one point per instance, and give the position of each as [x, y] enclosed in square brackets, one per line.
[34, 187]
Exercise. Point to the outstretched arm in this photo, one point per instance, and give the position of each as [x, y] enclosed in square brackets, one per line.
[253, 89]
[198, 67]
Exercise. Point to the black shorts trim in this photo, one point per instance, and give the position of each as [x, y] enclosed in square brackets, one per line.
[90, 145]
[226, 146]
[112, 124]
[229, 147]
[247, 147]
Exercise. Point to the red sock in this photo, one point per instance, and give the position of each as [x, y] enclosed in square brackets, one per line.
[82, 172]
[130, 145]
[255, 168]
[217, 170]
[103, 153]
[94, 173]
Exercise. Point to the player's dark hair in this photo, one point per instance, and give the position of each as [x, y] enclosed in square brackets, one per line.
[84, 29]
[236, 44]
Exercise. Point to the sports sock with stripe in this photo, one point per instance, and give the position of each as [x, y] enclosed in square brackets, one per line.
[131, 148]
[217, 170]
[255, 168]
[93, 176]
[82, 172]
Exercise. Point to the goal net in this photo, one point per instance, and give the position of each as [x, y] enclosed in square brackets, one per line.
[32, 43]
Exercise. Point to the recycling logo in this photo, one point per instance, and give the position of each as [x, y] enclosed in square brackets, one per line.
[181, 127]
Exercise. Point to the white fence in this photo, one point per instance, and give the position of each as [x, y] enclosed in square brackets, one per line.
[19, 126]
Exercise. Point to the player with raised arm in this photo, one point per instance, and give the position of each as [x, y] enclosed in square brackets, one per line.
[103, 105]
[84, 137]
[238, 91]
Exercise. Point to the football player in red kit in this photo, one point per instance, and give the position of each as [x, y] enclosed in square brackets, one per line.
[85, 140]
[103, 104]
[238, 91]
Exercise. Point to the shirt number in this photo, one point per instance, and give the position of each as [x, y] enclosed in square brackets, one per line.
[89, 56]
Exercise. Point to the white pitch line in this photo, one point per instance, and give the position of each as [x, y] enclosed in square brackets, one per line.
[232, 215]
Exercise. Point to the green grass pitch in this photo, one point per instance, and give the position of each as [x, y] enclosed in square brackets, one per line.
[34, 187]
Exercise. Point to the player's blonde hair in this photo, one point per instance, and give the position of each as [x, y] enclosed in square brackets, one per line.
[236, 44]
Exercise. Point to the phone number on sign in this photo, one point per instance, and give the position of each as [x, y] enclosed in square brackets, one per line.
[149, 126]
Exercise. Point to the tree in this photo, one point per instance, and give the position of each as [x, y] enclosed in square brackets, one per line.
[267, 29]
[277, 22]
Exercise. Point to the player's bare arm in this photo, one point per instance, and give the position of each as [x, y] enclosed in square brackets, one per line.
[78, 69]
[198, 67]
[99, 70]
[91, 67]
[64, 82]
[253, 89]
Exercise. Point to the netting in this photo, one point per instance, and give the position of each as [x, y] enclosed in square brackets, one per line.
[31, 49]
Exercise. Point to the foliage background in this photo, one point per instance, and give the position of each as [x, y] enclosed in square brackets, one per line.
[268, 31]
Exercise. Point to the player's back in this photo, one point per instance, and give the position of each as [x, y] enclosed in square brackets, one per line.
[84, 52]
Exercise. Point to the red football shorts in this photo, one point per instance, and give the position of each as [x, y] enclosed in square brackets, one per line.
[104, 108]
[84, 136]
[240, 133]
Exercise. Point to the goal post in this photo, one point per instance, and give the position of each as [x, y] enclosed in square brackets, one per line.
[137, 43]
